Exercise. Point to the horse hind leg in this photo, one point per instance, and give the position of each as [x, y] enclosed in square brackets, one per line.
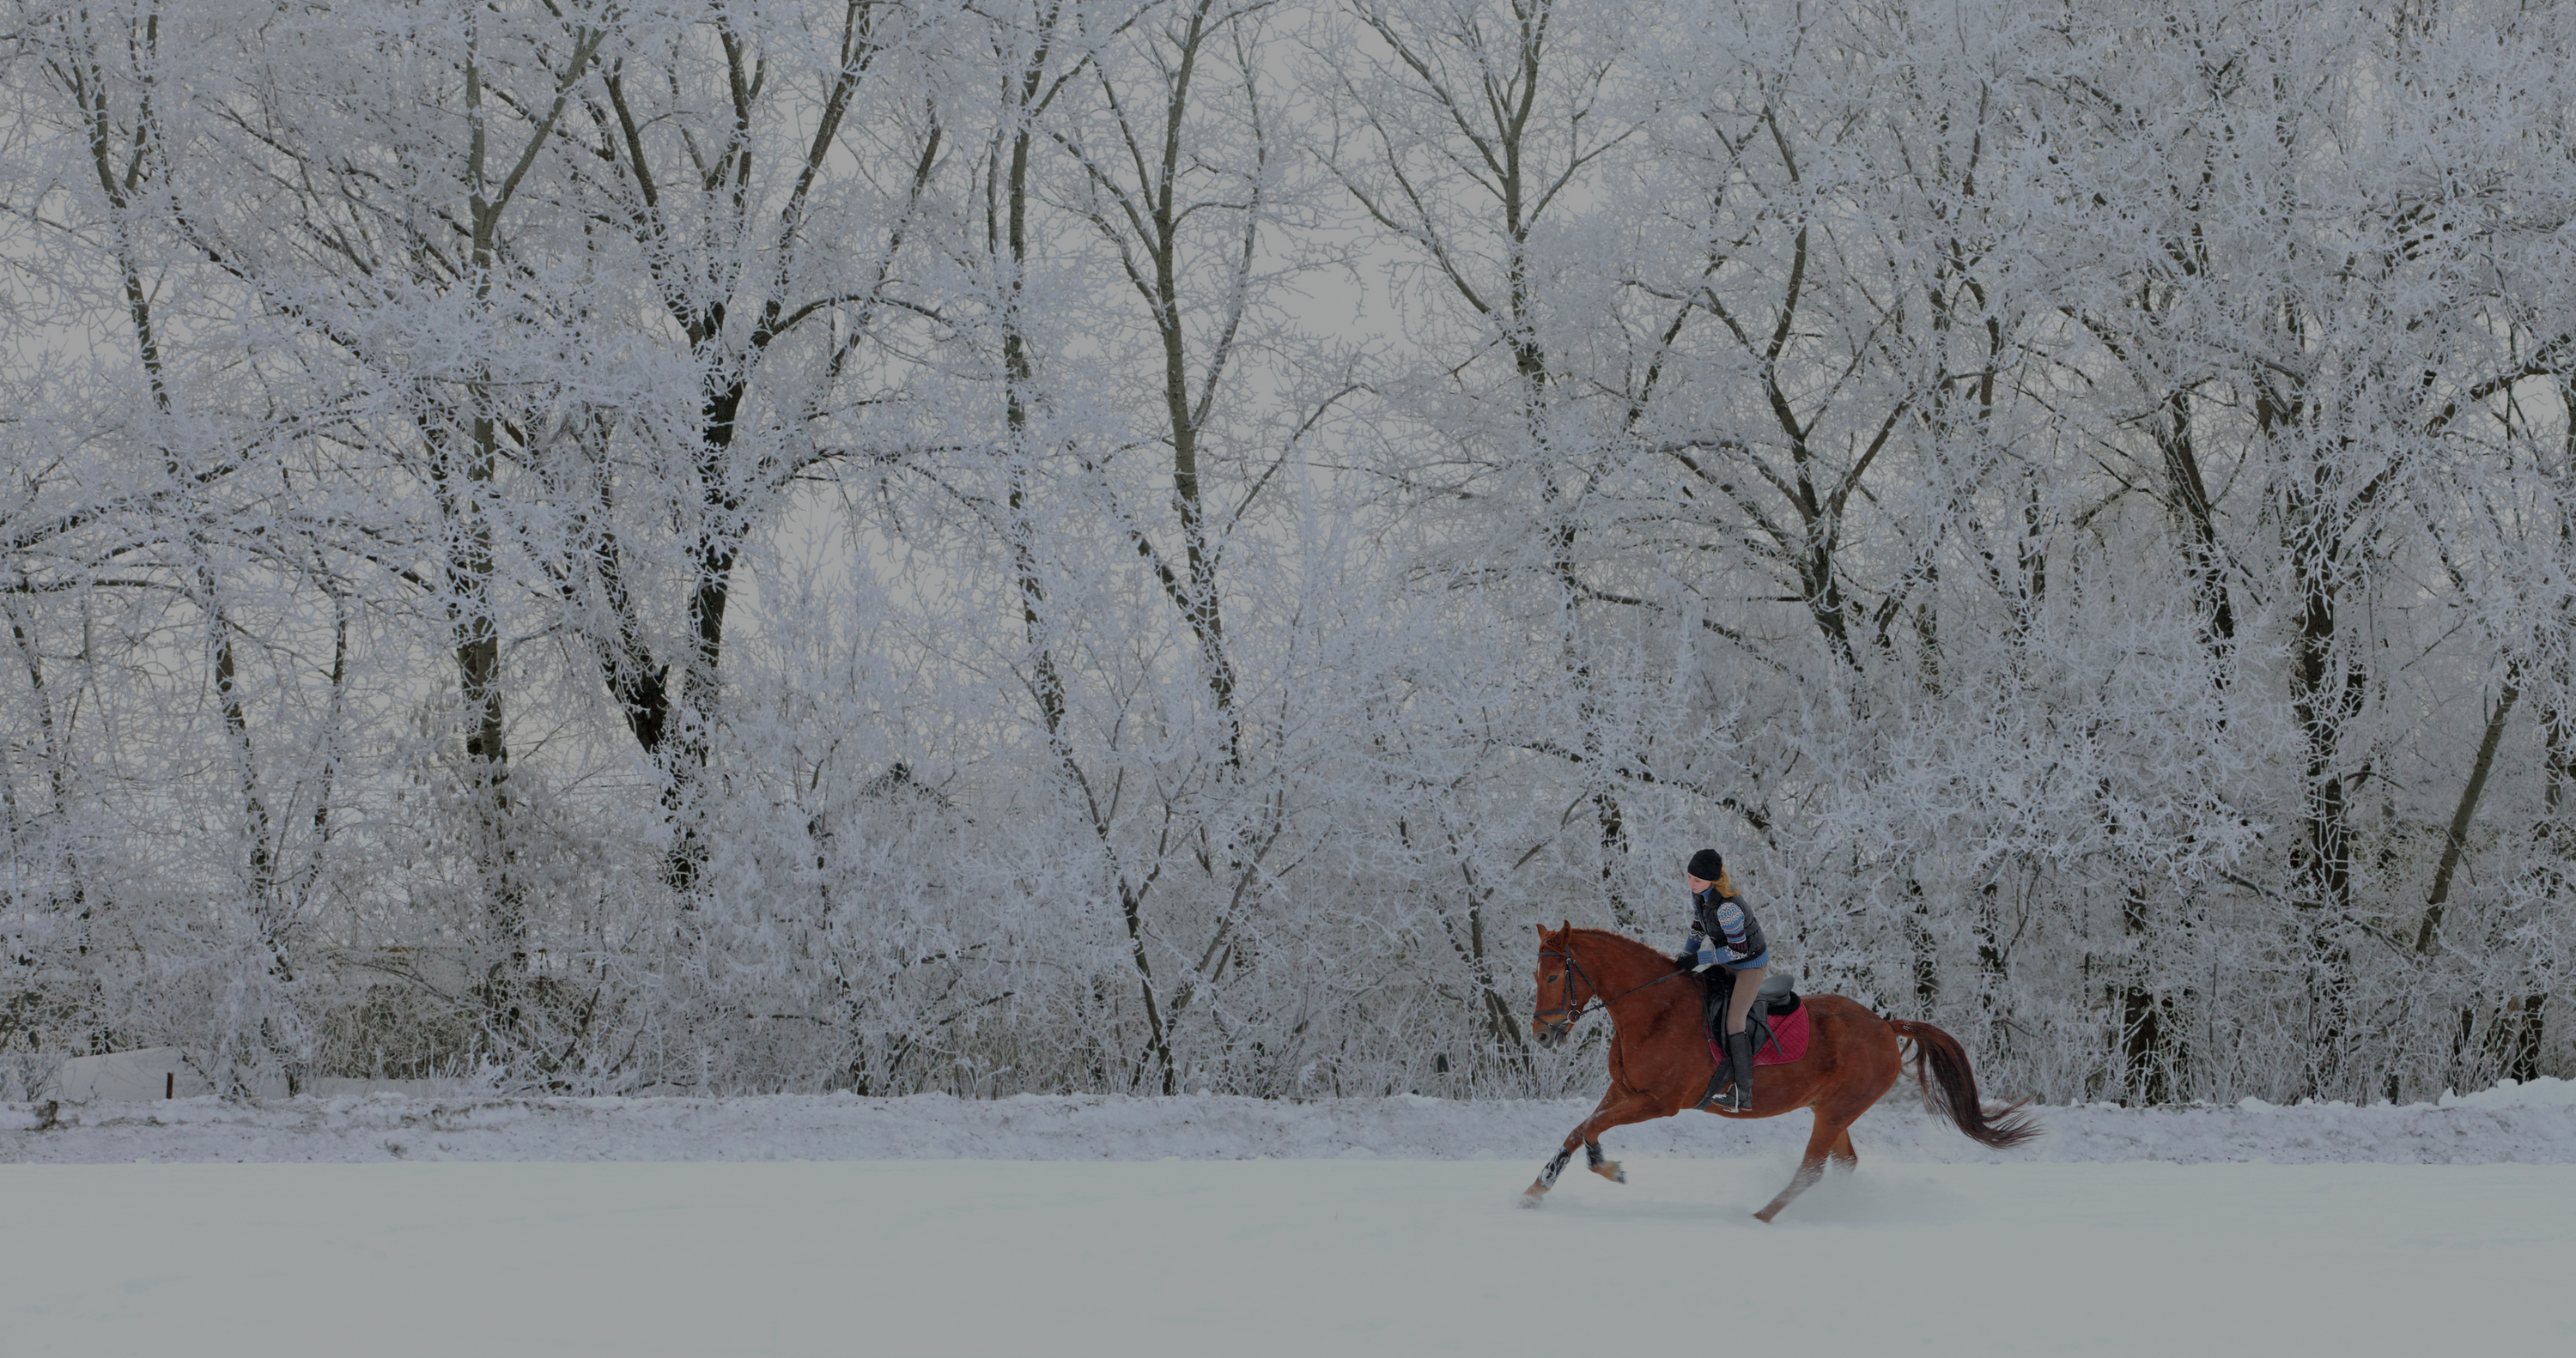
[1830, 1140]
[1607, 1169]
[1845, 1158]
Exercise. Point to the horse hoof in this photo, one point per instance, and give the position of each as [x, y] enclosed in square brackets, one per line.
[1611, 1170]
[1531, 1199]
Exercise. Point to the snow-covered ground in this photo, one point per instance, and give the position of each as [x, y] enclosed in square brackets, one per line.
[1205, 1225]
[2529, 1124]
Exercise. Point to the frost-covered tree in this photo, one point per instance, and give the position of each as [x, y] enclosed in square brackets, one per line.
[1139, 544]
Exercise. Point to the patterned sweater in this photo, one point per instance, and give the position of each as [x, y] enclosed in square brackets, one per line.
[1715, 918]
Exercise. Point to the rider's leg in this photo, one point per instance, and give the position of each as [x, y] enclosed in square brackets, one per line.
[1740, 1003]
[1739, 1043]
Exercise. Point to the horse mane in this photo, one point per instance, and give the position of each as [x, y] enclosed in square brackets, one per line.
[1606, 937]
[1615, 949]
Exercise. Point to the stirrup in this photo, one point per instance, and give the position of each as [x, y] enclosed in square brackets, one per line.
[1725, 1092]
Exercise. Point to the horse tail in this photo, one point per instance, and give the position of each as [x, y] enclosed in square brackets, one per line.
[1950, 1089]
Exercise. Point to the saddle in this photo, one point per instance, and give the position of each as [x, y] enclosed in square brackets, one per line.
[1778, 998]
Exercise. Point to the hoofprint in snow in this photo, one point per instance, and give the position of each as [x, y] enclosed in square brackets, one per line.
[1235, 1226]
[2533, 1123]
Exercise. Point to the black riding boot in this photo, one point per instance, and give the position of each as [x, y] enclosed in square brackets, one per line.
[1739, 1054]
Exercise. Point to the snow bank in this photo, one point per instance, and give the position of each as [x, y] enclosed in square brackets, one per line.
[2532, 1123]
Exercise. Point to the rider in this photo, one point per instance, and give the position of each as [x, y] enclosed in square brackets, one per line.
[1724, 933]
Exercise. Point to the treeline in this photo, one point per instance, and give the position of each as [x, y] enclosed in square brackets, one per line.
[1094, 544]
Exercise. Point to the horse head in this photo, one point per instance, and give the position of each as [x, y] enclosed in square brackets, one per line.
[1560, 978]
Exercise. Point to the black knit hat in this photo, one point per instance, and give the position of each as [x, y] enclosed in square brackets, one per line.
[1706, 865]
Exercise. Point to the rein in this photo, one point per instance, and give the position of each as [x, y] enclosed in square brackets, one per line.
[1573, 969]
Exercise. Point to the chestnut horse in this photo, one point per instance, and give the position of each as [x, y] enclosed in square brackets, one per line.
[1660, 1062]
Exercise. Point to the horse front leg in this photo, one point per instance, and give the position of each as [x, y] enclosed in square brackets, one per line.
[1546, 1179]
[1616, 1109]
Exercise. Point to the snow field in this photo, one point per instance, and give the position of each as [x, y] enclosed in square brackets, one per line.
[1080, 1225]
[1280, 1257]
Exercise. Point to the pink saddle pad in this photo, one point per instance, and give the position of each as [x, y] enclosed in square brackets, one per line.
[1788, 1041]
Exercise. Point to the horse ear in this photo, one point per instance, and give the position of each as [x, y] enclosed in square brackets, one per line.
[1568, 928]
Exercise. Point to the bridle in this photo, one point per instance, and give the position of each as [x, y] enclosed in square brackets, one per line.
[1574, 969]
[1569, 1009]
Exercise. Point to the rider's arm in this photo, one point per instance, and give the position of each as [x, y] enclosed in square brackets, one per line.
[1730, 917]
[1695, 950]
